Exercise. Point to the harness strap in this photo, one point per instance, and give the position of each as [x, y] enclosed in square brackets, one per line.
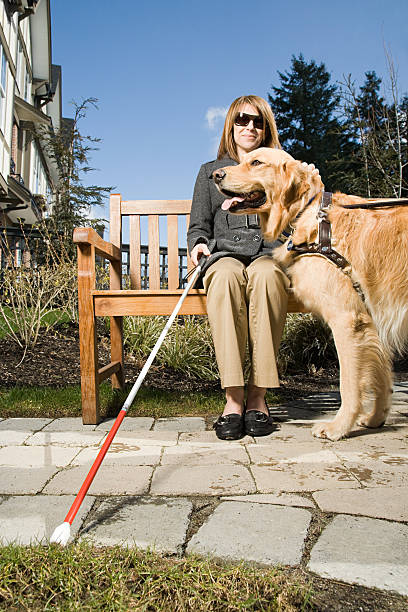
[379, 204]
[323, 246]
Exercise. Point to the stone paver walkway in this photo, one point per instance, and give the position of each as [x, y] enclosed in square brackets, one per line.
[171, 485]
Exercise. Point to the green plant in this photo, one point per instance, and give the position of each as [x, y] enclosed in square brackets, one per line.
[307, 344]
[83, 577]
[140, 334]
[40, 291]
[189, 348]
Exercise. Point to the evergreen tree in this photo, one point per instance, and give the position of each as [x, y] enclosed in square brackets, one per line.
[304, 106]
[70, 150]
[377, 167]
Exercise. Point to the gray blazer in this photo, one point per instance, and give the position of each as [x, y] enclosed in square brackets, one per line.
[235, 235]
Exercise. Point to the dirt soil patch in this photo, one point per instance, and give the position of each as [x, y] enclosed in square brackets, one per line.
[54, 362]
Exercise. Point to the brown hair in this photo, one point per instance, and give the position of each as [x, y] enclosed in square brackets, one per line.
[270, 139]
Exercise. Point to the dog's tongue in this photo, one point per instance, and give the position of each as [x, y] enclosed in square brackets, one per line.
[228, 203]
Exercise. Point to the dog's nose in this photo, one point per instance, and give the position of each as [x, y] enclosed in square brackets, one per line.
[218, 175]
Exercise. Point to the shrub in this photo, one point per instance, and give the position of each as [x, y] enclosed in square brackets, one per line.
[307, 344]
[41, 291]
[188, 346]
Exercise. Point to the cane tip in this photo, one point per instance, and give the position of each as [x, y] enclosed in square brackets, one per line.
[61, 534]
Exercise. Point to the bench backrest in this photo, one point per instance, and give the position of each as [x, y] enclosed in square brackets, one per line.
[153, 209]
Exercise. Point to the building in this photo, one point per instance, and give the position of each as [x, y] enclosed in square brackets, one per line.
[30, 97]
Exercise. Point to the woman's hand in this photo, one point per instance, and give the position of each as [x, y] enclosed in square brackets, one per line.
[198, 251]
[312, 167]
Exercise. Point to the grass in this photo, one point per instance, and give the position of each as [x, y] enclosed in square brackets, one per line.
[49, 319]
[48, 402]
[81, 577]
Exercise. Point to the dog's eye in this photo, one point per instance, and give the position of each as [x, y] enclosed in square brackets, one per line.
[256, 162]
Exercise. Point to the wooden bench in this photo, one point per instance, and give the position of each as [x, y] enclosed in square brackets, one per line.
[116, 302]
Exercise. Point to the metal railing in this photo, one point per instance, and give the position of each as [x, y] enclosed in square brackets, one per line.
[144, 265]
[18, 247]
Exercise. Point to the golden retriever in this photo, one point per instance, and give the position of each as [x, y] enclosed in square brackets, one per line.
[375, 243]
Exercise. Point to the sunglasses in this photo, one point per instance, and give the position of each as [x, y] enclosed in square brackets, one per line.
[243, 120]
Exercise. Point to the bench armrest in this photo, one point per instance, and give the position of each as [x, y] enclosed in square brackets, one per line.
[88, 236]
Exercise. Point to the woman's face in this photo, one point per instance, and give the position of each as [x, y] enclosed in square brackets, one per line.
[247, 138]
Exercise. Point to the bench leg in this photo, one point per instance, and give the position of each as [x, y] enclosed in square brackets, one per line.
[89, 373]
[87, 336]
[116, 332]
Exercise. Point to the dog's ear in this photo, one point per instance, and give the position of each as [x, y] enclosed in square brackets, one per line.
[295, 182]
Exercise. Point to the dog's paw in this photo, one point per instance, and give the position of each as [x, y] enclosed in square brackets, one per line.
[330, 431]
[371, 422]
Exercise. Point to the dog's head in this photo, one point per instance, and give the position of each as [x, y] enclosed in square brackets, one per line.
[269, 182]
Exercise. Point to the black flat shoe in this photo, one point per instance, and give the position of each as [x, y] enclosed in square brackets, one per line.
[258, 423]
[229, 427]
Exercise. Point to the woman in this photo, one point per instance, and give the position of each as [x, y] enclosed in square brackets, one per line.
[246, 291]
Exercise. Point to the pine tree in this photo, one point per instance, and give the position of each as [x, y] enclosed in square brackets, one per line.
[378, 163]
[305, 108]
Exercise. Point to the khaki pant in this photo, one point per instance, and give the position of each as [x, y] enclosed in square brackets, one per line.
[246, 304]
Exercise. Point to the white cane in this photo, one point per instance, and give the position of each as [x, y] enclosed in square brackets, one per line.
[62, 533]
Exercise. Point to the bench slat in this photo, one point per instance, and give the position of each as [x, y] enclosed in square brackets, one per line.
[189, 262]
[159, 302]
[172, 252]
[134, 252]
[155, 207]
[154, 252]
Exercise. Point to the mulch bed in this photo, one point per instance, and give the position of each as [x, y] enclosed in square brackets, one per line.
[54, 362]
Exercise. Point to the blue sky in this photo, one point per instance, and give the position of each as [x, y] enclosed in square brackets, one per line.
[158, 69]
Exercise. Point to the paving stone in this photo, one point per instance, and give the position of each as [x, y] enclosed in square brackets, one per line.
[288, 432]
[402, 409]
[160, 524]
[268, 534]
[389, 438]
[37, 456]
[365, 551]
[128, 424]
[122, 454]
[382, 502]
[400, 395]
[309, 417]
[276, 499]
[203, 438]
[376, 473]
[395, 418]
[200, 480]
[110, 480]
[379, 455]
[66, 438]
[147, 438]
[190, 454]
[302, 477]
[180, 424]
[322, 400]
[32, 520]
[24, 481]
[295, 452]
[12, 437]
[24, 424]
[68, 424]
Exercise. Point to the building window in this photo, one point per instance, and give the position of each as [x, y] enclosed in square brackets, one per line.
[3, 87]
[36, 172]
[19, 65]
[27, 86]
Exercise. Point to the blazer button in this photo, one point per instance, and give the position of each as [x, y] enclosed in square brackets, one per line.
[236, 238]
[257, 237]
